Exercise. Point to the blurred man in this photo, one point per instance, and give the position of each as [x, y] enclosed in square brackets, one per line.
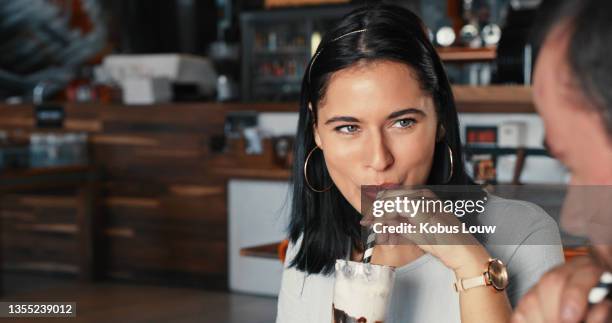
[573, 94]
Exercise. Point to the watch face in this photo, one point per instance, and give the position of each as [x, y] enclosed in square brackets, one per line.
[498, 274]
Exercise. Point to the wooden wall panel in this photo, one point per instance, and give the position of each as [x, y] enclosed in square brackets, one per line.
[163, 206]
[25, 246]
[39, 232]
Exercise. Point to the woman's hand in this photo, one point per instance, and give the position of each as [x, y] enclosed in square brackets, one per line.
[458, 250]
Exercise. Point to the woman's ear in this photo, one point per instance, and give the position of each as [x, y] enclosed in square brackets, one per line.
[315, 130]
[440, 133]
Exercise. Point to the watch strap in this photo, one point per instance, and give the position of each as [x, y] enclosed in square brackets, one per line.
[463, 284]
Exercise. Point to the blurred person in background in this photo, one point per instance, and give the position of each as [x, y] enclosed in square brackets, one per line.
[573, 95]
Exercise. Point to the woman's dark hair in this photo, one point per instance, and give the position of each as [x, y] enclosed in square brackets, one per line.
[326, 221]
[589, 49]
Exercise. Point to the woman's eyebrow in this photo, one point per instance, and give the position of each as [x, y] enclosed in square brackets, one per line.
[341, 119]
[402, 112]
[393, 115]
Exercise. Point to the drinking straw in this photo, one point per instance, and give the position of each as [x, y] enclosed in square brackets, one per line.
[367, 255]
[602, 290]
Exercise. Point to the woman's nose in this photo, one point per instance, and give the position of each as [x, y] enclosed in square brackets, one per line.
[378, 155]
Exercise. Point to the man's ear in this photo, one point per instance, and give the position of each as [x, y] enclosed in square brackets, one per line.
[440, 133]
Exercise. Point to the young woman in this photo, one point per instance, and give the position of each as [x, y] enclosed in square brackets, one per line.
[376, 108]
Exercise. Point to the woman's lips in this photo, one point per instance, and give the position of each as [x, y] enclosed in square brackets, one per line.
[389, 186]
[371, 191]
[370, 194]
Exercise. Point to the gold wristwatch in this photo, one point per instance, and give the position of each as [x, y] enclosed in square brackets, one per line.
[496, 276]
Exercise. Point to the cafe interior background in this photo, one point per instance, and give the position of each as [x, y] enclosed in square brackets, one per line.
[145, 145]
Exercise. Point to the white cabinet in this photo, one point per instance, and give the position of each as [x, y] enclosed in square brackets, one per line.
[258, 214]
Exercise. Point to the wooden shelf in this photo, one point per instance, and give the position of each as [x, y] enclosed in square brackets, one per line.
[58, 228]
[499, 151]
[493, 99]
[469, 99]
[466, 54]
[42, 266]
[268, 251]
[291, 3]
[254, 173]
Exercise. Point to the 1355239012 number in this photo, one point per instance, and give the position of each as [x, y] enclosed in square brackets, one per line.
[37, 309]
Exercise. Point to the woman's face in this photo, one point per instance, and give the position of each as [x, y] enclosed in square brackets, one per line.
[376, 126]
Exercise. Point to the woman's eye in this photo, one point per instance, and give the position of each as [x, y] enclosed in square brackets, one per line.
[347, 129]
[404, 123]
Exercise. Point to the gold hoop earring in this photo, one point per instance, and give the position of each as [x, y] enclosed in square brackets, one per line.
[452, 164]
[306, 173]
